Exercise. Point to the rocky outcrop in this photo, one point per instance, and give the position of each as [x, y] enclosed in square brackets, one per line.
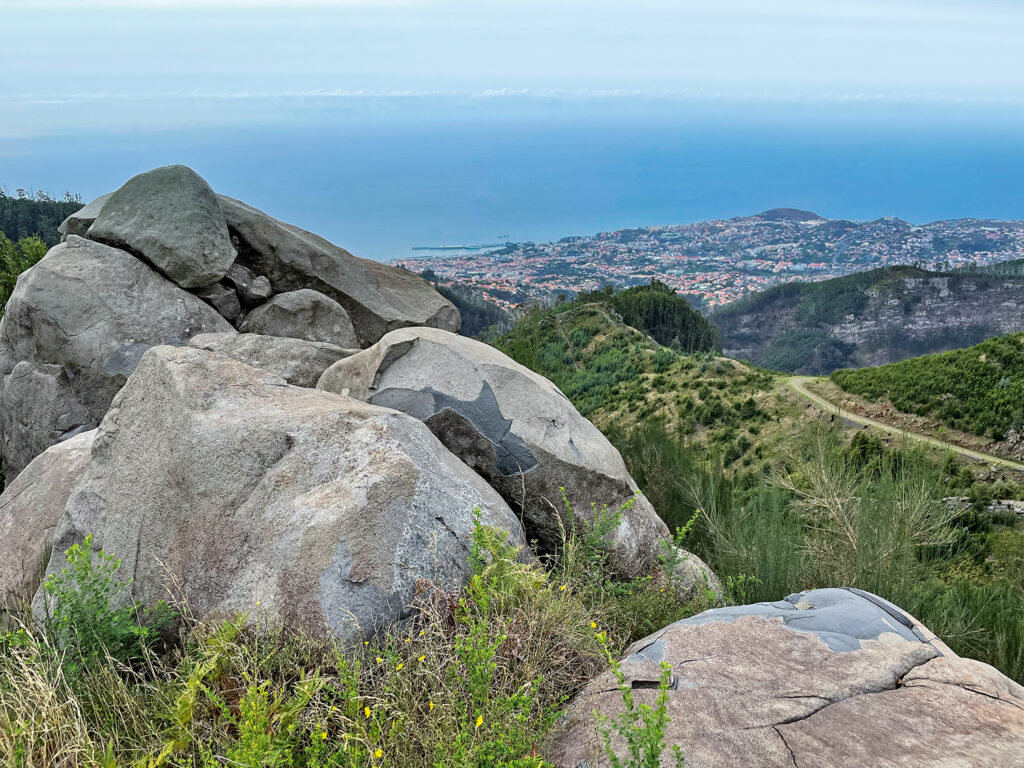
[78, 223]
[29, 510]
[171, 218]
[830, 678]
[303, 314]
[79, 321]
[378, 298]
[512, 426]
[242, 493]
[298, 362]
[73, 330]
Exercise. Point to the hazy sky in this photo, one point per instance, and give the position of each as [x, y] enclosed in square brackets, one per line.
[110, 63]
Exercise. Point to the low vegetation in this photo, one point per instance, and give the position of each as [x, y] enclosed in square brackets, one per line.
[477, 679]
[979, 389]
[656, 309]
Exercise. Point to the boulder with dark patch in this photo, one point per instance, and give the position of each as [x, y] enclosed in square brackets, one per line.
[171, 218]
[512, 426]
[73, 331]
[29, 510]
[303, 314]
[830, 678]
[377, 297]
[296, 361]
[298, 506]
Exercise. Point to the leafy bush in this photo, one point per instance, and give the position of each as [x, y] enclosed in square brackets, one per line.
[476, 679]
[90, 612]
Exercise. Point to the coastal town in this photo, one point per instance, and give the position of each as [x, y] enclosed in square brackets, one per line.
[715, 262]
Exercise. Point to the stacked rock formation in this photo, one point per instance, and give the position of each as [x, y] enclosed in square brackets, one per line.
[163, 259]
[159, 390]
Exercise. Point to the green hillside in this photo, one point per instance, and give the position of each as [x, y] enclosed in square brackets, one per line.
[702, 432]
[979, 389]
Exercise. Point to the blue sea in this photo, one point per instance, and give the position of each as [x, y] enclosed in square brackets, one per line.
[379, 186]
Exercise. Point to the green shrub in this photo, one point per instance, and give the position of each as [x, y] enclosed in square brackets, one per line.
[89, 611]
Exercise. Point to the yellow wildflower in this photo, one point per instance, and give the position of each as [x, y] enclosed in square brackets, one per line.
[431, 706]
[479, 720]
[323, 736]
[593, 625]
[366, 711]
[562, 588]
[379, 753]
[399, 667]
[421, 658]
[380, 660]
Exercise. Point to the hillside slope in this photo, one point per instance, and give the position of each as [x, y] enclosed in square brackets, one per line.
[872, 318]
[979, 389]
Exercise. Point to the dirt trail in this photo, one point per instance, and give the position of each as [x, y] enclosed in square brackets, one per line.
[799, 385]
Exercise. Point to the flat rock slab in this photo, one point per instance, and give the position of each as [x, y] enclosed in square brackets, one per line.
[171, 218]
[831, 678]
[30, 507]
[296, 361]
[242, 493]
[512, 426]
[73, 331]
[378, 298]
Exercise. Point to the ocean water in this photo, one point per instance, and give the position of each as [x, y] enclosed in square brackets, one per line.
[380, 187]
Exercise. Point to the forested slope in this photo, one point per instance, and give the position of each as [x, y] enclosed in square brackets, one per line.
[979, 389]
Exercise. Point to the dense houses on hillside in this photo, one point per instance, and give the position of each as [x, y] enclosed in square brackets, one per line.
[719, 261]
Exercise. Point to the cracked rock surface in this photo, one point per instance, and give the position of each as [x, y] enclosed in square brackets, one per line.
[512, 426]
[830, 678]
[236, 490]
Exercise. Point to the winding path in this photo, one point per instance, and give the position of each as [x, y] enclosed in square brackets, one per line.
[799, 385]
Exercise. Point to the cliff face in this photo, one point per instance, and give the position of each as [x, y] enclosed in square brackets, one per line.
[871, 319]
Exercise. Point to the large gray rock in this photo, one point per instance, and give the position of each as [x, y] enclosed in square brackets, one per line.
[296, 361]
[73, 330]
[242, 493]
[78, 223]
[377, 297]
[831, 678]
[514, 427]
[303, 314]
[29, 510]
[171, 218]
